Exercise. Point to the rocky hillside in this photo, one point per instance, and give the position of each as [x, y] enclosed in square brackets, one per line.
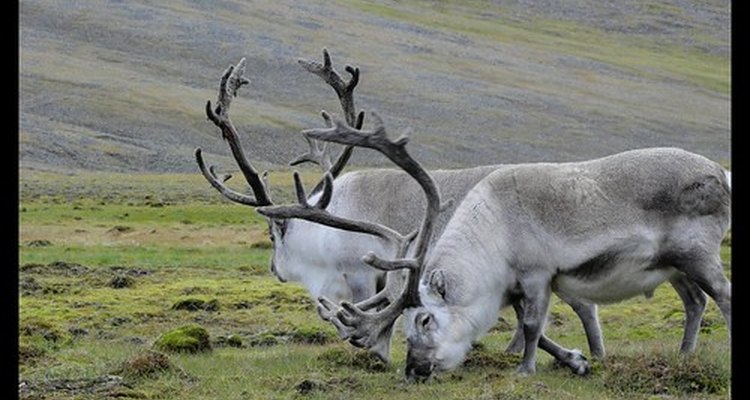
[121, 85]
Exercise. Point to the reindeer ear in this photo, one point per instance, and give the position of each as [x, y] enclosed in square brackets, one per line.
[437, 282]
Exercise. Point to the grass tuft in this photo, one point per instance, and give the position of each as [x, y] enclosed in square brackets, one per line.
[659, 373]
[145, 365]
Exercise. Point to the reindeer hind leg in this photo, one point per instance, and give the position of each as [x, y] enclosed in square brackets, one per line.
[708, 274]
[694, 301]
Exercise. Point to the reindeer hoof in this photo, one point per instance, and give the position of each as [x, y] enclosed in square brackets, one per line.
[578, 363]
[523, 370]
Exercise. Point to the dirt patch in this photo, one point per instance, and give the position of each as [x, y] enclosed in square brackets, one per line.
[38, 243]
[303, 335]
[195, 290]
[43, 329]
[308, 386]
[479, 358]
[145, 365]
[56, 267]
[353, 358]
[279, 300]
[29, 353]
[263, 244]
[120, 229]
[135, 272]
[659, 374]
[29, 286]
[228, 341]
[264, 339]
[193, 304]
[121, 282]
[119, 321]
[105, 386]
[78, 332]
[243, 305]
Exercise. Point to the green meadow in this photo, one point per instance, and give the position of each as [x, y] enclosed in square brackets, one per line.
[111, 262]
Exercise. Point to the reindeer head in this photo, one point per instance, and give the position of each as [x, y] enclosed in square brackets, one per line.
[372, 329]
[289, 261]
[438, 333]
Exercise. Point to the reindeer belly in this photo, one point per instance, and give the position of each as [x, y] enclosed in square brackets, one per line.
[613, 282]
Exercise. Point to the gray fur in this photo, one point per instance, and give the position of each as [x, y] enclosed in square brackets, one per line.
[600, 231]
[391, 198]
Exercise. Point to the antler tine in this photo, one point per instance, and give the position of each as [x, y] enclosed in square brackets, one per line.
[343, 89]
[231, 81]
[210, 175]
[316, 155]
[395, 151]
[317, 213]
[345, 92]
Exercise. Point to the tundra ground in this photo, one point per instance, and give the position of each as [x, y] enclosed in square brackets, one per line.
[110, 262]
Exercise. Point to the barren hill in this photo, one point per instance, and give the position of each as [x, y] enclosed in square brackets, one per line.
[121, 85]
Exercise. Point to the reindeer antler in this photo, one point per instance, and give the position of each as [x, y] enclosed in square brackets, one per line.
[373, 329]
[231, 81]
[345, 92]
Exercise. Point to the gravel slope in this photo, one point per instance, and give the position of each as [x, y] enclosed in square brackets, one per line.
[121, 85]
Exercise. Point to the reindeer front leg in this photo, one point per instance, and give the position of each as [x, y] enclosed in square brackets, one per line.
[573, 359]
[536, 296]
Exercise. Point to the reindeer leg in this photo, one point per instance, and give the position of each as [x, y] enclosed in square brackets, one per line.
[573, 359]
[536, 298]
[516, 344]
[590, 319]
[694, 301]
[708, 274]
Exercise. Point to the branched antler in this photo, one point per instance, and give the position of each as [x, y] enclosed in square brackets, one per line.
[373, 329]
[316, 155]
[345, 92]
[231, 81]
[317, 213]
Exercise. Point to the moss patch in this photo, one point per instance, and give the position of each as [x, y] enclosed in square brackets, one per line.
[185, 339]
[311, 335]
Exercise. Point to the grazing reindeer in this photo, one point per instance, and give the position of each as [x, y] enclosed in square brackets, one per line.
[602, 231]
[328, 261]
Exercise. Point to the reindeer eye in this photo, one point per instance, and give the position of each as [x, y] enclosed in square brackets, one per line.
[424, 320]
[278, 227]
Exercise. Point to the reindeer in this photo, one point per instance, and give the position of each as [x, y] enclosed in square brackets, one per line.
[328, 261]
[600, 231]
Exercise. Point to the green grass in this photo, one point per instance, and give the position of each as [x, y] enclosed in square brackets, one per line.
[75, 326]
